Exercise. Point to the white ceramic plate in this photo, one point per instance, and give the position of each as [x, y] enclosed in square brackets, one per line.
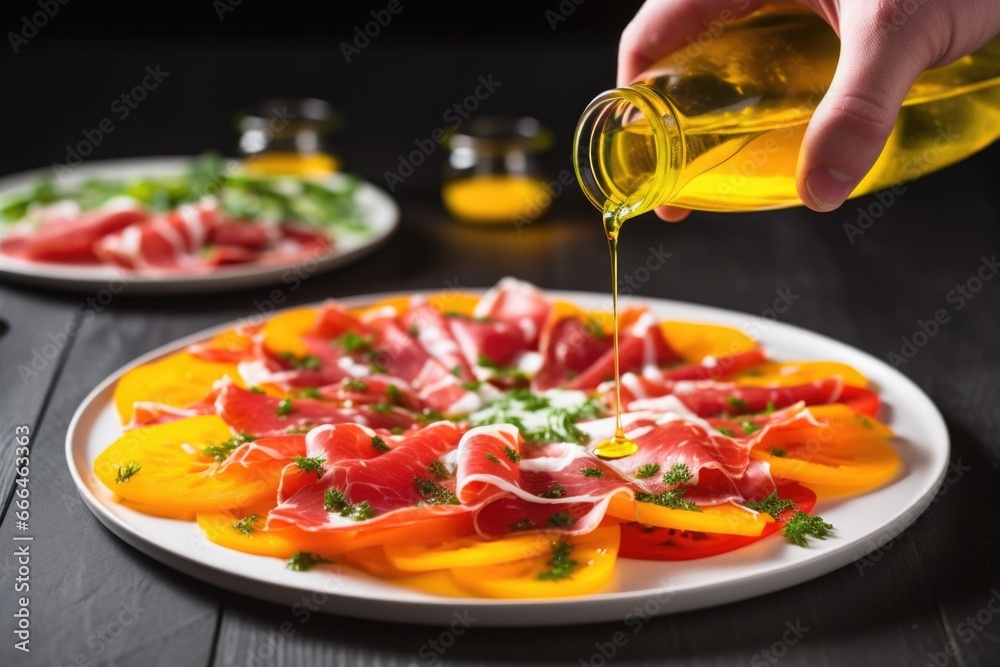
[379, 208]
[863, 523]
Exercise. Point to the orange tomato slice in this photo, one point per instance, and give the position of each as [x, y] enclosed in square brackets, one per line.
[173, 472]
[459, 303]
[283, 332]
[594, 556]
[466, 552]
[177, 380]
[694, 341]
[725, 518]
[789, 373]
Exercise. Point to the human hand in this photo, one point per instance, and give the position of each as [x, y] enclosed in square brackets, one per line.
[885, 46]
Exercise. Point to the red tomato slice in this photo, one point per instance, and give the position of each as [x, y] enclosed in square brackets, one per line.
[651, 543]
[865, 401]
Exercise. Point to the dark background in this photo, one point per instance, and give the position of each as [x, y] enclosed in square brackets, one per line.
[870, 293]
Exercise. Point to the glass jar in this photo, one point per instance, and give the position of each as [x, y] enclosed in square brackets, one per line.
[492, 176]
[717, 126]
[289, 137]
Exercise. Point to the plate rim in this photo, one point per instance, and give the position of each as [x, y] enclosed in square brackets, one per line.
[227, 278]
[437, 610]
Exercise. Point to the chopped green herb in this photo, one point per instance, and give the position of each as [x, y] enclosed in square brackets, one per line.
[309, 392]
[351, 342]
[298, 430]
[561, 520]
[394, 395]
[867, 423]
[472, 386]
[438, 469]
[647, 470]
[456, 371]
[594, 328]
[303, 561]
[125, 473]
[307, 464]
[554, 491]
[284, 408]
[491, 458]
[511, 454]
[802, 526]
[522, 524]
[246, 524]
[381, 408]
[334, 500]
[221, 451]
[728, 432]
[674, 499]
[753, 373]
[559, 424]
[257, 390]
[769, 408]
[592, 472]
[773, 504]
[679, 473]
[379, 445]
[306, 362]
[413, 330]
[750, 428]
[433, 493]
[397, 430]
[356, 385]
[499, 371]
[777, 452]
[429, 417]
[737, 403]
[560, 565]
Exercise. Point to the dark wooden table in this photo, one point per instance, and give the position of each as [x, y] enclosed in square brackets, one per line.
[96, 601]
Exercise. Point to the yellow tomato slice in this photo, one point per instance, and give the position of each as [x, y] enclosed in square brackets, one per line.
[173, 473]
[436, 583]
[466, 552]
[398, 303]
[859, 462]
[283, 332]
[694, 341]
[162, 512]
[725, 518]
[231, 340]
[594, 555]
[837, 422]
[373, 561]
[788, 373]
[280, 542]
[177, 380]
[454, 302]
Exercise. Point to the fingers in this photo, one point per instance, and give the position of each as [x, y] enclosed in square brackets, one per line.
[671, 213]
[850, 126]
[660, 27]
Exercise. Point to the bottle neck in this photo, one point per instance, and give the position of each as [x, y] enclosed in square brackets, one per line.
[629, 150]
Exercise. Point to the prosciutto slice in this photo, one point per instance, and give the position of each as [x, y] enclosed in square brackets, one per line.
[166, 241]
[71, 239]
[519, 304]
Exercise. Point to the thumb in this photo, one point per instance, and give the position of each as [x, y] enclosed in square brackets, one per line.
[851, 125]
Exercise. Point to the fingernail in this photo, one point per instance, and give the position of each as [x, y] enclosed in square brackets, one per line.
[829, 187]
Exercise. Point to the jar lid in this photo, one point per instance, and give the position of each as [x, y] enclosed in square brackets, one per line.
[498, 135]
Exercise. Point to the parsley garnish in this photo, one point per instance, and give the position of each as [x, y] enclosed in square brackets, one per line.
[433, 493]
[284, 408]
[472, 386]
[309, 392]
[221, 451]
[394, 395]
[380, 408]
[769, 408]
[560, 565]
[594, 328]
[560, 423]
[306, 362]
[728, 432]
[351, 342]
[334, 500]
[257, 390]
[802, 526]
[379, 445]
[397, 430]
[125, 473]
[501, 371]
[773, 504]
[511, 454]
[679, 473]
[777, 452]
[592, 472]
[304, 560]
[522, 524]
[491, 458]
[356, 385]
[674, 499]
[750, 428]
[554, 491]
[314, 464]
[438, 469]
[561, 520]
[647, 470]
[737, 403]
[245, 525]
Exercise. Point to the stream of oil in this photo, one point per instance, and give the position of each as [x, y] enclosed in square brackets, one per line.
[619, 446]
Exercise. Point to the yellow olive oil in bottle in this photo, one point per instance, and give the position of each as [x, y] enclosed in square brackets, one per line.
[718, 126]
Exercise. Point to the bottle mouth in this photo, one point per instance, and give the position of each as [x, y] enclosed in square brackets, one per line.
[628, 150]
